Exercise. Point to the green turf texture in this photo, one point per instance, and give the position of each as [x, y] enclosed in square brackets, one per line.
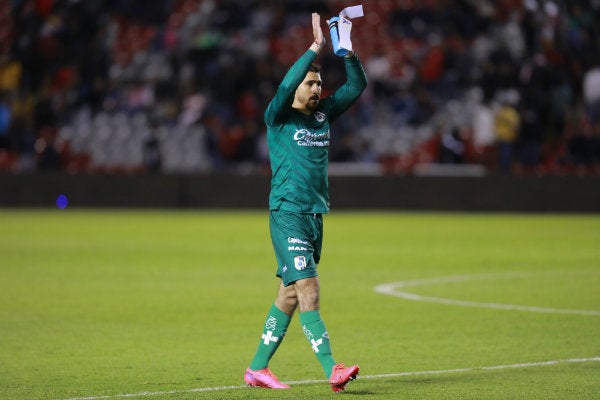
[170, 305]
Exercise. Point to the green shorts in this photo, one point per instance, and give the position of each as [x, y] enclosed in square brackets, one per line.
[297, 240]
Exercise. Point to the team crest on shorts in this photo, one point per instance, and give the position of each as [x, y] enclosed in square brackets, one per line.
[300, 263]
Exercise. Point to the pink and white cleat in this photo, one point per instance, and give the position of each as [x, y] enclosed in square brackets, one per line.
[263, 378]
[340, 376]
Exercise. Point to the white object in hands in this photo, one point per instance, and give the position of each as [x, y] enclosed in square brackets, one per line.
[340, 28]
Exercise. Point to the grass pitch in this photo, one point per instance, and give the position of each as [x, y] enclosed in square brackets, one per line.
[170, 305]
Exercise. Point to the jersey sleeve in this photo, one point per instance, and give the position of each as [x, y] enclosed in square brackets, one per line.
[281, 104]
[346, 95]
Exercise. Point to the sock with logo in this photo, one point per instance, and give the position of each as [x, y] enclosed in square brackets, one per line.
[276, 326]
[315, 332]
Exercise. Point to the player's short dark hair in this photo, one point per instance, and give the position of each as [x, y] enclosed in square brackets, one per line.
[314, 68]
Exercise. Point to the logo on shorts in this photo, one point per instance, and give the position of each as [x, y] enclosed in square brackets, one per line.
[300, 263]
[295, 244]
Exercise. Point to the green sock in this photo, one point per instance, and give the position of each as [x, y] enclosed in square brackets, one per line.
[315, 332]
[276, 326]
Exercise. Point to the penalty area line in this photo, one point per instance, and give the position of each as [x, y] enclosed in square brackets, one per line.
[391, 289]
[362, 377]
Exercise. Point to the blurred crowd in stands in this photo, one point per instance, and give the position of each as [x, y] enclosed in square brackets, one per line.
[136, 86]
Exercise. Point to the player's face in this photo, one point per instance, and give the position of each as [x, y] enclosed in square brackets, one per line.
[308, 93]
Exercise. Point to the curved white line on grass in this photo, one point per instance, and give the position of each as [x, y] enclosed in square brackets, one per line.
[391, 289]
[362, 377]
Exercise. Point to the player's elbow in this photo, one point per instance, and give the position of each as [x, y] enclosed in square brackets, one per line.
[362, 83]
[358, 87]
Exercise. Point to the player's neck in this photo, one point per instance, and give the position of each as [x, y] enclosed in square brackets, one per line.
[303, 110]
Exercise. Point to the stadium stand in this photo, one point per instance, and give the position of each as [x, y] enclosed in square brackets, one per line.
[179, 86]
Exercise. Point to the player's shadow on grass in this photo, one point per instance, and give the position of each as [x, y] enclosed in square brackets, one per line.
[362, 392]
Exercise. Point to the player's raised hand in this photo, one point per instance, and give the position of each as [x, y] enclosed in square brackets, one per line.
[319, 38]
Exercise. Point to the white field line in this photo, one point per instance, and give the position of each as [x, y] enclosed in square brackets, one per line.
[392, 289]
[380, 376]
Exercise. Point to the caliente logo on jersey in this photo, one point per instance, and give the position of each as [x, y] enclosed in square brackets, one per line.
[304, 137]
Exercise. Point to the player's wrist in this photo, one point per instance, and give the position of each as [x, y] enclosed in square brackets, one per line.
[316, 47]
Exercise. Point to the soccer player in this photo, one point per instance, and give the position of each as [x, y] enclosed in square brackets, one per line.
[298, 123]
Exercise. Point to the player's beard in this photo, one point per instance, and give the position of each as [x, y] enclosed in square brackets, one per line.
[312, 103]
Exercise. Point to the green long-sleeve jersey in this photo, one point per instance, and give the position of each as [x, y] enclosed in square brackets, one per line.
[299, 143]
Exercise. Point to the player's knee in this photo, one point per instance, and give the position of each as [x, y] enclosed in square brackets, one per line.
[308, 294]
[309, 303]
[287, 300]
[290, 300]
